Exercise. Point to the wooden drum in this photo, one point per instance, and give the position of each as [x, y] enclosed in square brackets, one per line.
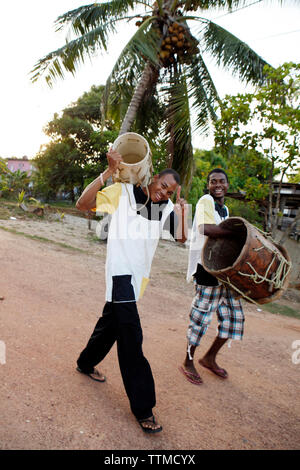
[136, 167]
[249, 262]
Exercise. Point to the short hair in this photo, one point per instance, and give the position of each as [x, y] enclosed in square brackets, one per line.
[217, 170]
[170, 171]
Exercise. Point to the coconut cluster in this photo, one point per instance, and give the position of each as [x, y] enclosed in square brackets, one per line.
[178, 42]
[139, 23]
[178, 45]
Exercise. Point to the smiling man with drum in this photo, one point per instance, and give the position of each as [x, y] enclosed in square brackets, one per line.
[210, 296]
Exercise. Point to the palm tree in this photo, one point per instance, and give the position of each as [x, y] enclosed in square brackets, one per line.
[162, 64]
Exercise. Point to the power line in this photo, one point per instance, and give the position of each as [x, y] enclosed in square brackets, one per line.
[238, 9]
[279, 34]
[265, 37]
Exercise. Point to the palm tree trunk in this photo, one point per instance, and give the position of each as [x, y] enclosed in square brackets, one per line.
[148, 80]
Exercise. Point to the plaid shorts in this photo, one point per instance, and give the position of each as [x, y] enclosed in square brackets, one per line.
[219, 299]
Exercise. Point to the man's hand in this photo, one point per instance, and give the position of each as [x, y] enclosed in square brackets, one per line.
[180, 209]
[114, 159]
[180, 203]
[87, 200]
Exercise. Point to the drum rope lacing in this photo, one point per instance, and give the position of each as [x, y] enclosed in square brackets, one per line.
[237, 290]
[283, 269]
[278, 279]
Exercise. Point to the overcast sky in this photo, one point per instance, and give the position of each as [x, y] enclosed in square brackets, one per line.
[27, 34]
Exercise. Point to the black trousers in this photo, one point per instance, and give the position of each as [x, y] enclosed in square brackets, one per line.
[120, 322]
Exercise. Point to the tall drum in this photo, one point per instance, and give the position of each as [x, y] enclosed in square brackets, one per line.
[136, 167]
[249, 262]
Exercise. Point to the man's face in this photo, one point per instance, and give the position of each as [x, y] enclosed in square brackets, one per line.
[162, 188]
[217, 185]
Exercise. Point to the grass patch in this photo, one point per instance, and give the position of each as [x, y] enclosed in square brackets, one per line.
[4, 213]
[43, 239]
[8, 209]
[279, 309]
[93, 238]
[62, 204]
[11, 209]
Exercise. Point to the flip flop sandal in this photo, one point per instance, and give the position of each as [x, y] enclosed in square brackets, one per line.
[217, 371]
[93, 375]
[191, 377]
[149, 429]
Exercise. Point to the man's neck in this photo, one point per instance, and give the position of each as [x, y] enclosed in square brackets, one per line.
[145, 189]
[219, 201]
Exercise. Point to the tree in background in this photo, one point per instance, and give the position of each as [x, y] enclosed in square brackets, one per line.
[79, 143]
[80, 123]
[266, 122]
[295, 178]
[4, 171]
[58, 168]
[204, 161]
[12, 182]
[161, 67]
[77, 151]
[247, 172]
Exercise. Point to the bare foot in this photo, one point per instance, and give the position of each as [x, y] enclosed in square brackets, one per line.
[213, 367]
[191, 374]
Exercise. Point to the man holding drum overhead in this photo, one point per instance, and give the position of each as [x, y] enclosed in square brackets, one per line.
[138, 216]
[210, 295]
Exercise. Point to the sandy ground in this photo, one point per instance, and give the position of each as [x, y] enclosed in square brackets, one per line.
[53, 296]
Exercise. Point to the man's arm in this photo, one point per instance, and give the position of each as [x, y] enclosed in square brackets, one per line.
[205, 218]
[87, 200]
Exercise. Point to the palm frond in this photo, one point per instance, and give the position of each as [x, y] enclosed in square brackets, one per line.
[117, 100]
[142, 47]
[202, 93]
[94, 23]
[178, 127]
[192, 5]
[149, 118]
[88, 17]
[233, 54]
[178, 110]
[72, 54]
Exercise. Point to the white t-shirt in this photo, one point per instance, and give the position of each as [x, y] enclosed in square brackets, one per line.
[206, 213]
[131, 244]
